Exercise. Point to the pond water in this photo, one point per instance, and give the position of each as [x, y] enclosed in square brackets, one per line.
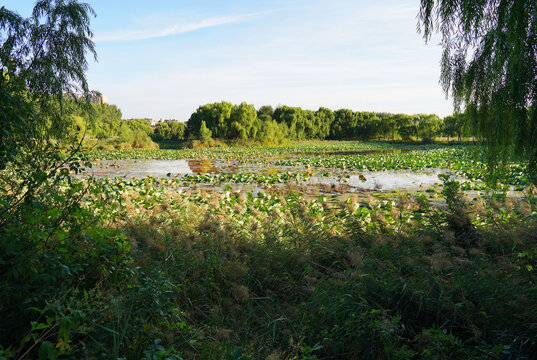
[138, 168]
[397, 179]
[349, 180]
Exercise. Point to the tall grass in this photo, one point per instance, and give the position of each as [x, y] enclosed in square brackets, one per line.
[281, 276]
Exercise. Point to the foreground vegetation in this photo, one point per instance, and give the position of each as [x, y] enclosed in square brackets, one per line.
[139, 269]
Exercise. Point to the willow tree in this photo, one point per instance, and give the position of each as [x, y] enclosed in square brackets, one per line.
[41, 58]
[489, 67]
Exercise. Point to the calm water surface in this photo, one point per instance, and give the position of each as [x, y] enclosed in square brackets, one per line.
[355, 180]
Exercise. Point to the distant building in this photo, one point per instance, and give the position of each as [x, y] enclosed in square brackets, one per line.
[167, 120]
[154, 122]
[93, 98]
[101, 99]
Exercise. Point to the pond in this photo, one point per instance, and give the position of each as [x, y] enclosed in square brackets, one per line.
[348, 181]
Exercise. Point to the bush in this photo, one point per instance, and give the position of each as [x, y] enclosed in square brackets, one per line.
[54, 253]
[141, 140]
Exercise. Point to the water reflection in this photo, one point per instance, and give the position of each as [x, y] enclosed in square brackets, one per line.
[202, 166]
[138, 168]
[396, 179]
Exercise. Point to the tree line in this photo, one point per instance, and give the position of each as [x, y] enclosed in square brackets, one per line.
[223, 120]
[226, 121]
[104, 121]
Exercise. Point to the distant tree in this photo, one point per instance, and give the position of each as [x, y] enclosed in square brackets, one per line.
[367, 125]
[293, 123]
[489, 66]
[270, 132]
[450, 126]
[162, 131]
[126, 134]
[243, 120]
[344, 124]
[106, 122]
[407, 126]
[140, 139]
[462, 126]
[309, 124]
[205, 135]
[324, 119]
[429, 126]
[265, 111]
[177, 130]
[293, 117]
[140, 125]
[389, 125]
[217, 117]
[401, 122]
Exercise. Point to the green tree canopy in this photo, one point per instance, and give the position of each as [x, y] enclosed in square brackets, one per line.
[243, 119]
[388, 125]
[456, 125]
[325, 117]
[293, 117]
[177, 130]
[343, 125]
[140, 125]
[367, 125]
[429, 125]
[216, 116]
[405, 126]
[41, 57]
[268, 125]
[265, 111]
[489, 66]
[205, 134]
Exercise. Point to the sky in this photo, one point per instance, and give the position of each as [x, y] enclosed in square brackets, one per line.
[165, 58]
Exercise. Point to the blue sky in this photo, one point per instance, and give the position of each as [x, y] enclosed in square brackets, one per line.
[163, 59]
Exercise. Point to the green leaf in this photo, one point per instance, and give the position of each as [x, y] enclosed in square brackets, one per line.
[41, 326]
[47, 351]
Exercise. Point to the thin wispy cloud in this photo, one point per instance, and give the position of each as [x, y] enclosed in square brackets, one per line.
[174, 29]
[352, 54]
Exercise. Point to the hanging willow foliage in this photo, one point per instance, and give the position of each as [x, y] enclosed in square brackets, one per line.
[489, 67]
[41, 58]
